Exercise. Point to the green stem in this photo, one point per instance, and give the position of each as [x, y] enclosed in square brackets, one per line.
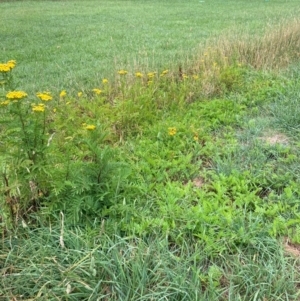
[24, 132]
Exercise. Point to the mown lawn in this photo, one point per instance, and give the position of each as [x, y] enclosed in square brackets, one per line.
[74, 44]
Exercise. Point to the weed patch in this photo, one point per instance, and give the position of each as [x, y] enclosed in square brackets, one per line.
[176, 182]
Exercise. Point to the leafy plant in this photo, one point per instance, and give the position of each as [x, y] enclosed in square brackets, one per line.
[47, 163]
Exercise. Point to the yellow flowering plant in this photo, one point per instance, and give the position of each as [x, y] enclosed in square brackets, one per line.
[16, 95]
[32, 126]
[90, 127]
[5, 73]
[38, 108]
[44, 96]
[8, 66]
[48, 152]
[25, 134]
[165, 72]
[4, 103]
[151, 75]
[139, 74]
[172, 131]
[97, 91]
[62, 94]
[122, 72]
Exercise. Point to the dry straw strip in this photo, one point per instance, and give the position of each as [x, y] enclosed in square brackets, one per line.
[278, 47]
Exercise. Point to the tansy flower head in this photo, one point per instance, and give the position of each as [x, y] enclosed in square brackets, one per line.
[16, 95]
[164, 72]
[89, 127]
[63, 93]
[151, 74]
[4, 103]
[79, 94]
[122, 72]
[195, 76]
[38, 108]
[97, 91]
[45, 96]
[6, 67]
[11, 64]
[139, 74]
[104, 81]
[172, 131]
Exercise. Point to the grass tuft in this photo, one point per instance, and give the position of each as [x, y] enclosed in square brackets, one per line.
[277, 48]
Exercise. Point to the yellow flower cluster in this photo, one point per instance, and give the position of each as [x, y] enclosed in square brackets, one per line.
[38, 108]
[63, 93]
[172, 131]
[79, 94]
[122, 72]
[89, 127]
[97, 91]
[105, 81]
[195, 134]
[151, 74]
[164, 72]
[45, 96]
[139, 74]
[4, 103]
[6, 67]
[16, 95]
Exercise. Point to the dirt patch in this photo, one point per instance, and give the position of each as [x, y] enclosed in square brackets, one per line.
[275, 138]
[291, 248]
[198, 182]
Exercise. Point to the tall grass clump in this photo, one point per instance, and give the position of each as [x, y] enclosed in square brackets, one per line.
[97, 266]
[278, 47]
[222, 63]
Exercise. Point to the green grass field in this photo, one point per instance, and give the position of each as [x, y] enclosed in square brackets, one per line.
[174, 178]
[74, 44]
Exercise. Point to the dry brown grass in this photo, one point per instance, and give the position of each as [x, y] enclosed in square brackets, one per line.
[277, 48]
[218, 62]
[273, 138]
[290, 248]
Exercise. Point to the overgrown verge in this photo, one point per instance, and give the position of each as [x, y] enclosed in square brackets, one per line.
[176, 172]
